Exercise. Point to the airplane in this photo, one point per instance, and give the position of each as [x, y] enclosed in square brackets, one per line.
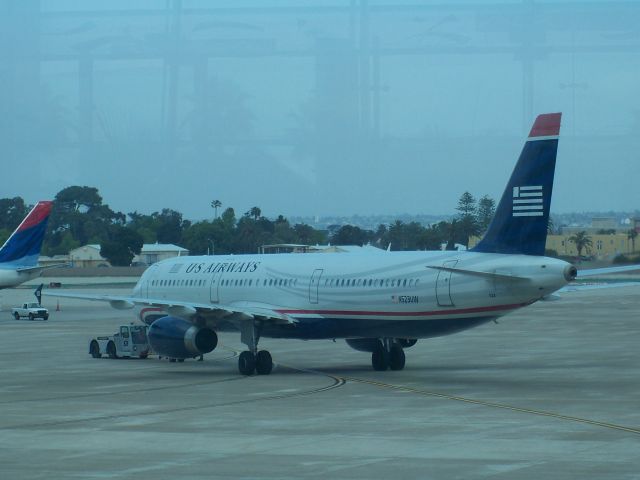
[19, 254]
[379, 303]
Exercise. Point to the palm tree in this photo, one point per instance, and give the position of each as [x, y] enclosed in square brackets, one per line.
[581, 240]
[255, 212]
[215, 204]
[631, 235]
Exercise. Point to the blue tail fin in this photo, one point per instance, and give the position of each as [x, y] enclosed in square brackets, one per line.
[522, 216]
[23, 246]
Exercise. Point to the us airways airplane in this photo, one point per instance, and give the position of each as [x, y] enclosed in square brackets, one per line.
[19, 254]
[380, 303]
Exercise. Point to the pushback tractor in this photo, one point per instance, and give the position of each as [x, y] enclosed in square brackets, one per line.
[130, 341]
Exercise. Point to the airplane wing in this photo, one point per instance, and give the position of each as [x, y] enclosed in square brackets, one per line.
[40, 267]
[236, 312]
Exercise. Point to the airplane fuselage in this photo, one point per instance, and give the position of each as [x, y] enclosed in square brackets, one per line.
[386, 294]
[12, 278]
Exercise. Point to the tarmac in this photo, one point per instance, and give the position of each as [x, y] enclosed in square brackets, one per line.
[550, 391]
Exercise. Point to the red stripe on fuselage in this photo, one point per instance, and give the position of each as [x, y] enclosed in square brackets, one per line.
[430, 313]
[39, 213]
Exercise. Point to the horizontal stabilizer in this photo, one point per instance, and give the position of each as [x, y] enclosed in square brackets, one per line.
[607, 270]
[479, 273]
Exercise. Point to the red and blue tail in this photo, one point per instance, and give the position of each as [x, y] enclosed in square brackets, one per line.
[522, 216]
[22, 249]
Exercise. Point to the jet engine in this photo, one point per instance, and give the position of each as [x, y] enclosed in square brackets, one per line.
[176, 338]
[371, 344]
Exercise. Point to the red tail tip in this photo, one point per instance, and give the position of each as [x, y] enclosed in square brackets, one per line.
[546, 125]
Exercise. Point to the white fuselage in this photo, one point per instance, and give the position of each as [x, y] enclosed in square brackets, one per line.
[342, 295]
[12, 278]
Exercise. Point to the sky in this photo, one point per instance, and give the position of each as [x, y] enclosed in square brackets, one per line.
[315, 107]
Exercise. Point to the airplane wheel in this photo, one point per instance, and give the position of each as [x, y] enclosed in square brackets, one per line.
[247, 363]
[111, 350]
[396, 358]
[95, 350]
[264, 363]
[380, 359]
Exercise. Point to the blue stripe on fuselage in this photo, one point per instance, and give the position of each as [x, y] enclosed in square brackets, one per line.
[327, 328]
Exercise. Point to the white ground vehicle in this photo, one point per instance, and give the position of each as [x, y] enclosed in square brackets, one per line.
[130, 341]
[31, 311]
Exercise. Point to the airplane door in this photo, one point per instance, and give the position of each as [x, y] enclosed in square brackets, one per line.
[314, 285]
[443, 285]
[215, 287]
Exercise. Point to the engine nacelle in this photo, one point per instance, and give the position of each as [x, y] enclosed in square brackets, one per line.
[176, 338]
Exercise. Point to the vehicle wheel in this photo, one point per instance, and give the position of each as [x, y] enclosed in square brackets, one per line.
[247, 363]
[181, 360]
[264, 363]
[396, 358]
[144, 355]
[31, 316]
[380, 359]
[16, 316]
[46, 317]
[94, 350]
[111, 350]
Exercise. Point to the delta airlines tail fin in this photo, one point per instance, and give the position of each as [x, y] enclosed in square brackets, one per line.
[520, 223]
[22, 249]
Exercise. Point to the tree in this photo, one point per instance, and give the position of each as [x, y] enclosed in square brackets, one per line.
[255, 212]
[215, 204]
[485, 212]
[466, 205]
[12, 212]
[169, 225]
[351, 235]
[79, 211]
[123, 244]
[581, 240]
[467, 223]
[632, 235]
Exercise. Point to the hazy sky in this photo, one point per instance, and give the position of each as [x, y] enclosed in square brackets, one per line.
[315, 107]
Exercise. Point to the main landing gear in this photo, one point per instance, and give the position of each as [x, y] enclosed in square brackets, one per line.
[253, 361]
[388, 354]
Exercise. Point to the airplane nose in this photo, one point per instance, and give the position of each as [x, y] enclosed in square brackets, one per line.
[570, 273]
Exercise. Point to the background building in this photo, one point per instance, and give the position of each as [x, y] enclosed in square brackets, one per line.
[155, 252]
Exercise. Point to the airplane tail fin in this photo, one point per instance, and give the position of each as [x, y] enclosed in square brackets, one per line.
[22, 249]
[522, 217]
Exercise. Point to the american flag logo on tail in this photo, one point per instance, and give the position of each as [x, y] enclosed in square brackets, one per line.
[527, 201]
